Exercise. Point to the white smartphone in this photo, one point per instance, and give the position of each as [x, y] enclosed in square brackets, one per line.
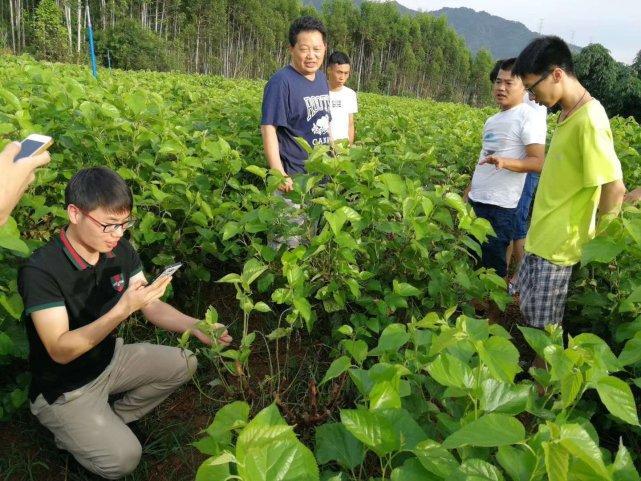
[169, 270]
[33, 145]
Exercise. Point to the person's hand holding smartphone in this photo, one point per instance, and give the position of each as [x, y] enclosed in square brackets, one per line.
[139, 294]
[18, 162]
[169, 271]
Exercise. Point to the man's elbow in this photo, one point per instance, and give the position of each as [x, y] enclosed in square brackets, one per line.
[60, 357]
[616, 189]
[538, 165]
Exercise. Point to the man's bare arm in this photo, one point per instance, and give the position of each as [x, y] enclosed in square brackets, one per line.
[611, 199]
[64, 345]
[533, 161]
[270, 147]
[351, 132]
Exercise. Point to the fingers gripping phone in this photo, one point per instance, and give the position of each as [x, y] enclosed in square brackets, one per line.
[169, 270]
[33, 145]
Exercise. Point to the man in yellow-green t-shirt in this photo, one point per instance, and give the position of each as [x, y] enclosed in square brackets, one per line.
[581, 175]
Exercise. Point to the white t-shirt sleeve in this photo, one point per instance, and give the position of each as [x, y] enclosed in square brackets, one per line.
[534, 128]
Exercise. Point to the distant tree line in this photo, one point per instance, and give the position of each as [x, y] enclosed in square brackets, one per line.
[391, 53]
[395, 54]
[617, 86]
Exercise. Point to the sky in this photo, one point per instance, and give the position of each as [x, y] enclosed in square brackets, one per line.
[615, 24]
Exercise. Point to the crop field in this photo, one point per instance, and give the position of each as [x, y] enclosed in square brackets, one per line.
[357, 355]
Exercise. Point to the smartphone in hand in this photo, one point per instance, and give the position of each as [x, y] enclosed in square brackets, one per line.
[169, 270]
[33, 145]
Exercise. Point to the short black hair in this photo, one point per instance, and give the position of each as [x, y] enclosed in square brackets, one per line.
[97, 187]
[506, 64]
[544, 54]
[495, 71]
[338, 58]
[306, 24]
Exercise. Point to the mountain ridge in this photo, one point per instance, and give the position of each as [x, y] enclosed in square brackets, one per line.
[504, 38]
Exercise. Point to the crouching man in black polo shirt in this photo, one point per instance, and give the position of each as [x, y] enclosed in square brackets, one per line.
[77, 290]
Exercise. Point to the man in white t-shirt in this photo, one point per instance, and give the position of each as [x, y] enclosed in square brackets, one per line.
[343, 103]
[513, 144]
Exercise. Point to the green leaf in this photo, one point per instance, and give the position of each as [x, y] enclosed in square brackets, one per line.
[435, 458]
[623, 467]
[476, 470]
[517, 462]
[617, 397]
[256, 170]
[448, 370]
[601, 249]
[405, 290]
[336, 368]
[631, 353]
[213, 468]
[230, 230]
[498, 396]
[262, 307]
[394, 183]
[392, 338]
[536, 338]
[371, 429]
[488, 431]
[579, 444]
[571, 387]
[384, 395]
[6, 344]
[412, 470]
[230, 417]
[455, 201]
[560, 363]
[230, 279]
[268, 450]
[336, 220]
[357, 349]
[500, 356]
[406, 429]
[557, 461]
[335, 443]
[11, 99]
[279, 333]
[12, 304]
[252, 270]
[304, 307]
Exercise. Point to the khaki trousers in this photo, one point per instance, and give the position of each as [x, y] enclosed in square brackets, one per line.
[84, 423]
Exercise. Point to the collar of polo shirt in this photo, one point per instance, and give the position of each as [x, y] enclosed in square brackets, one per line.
[75, 258]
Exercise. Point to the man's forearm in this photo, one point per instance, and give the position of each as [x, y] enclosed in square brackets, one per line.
[351, 133]
[73, 344]
[270, 147]
[167, 317]
[528, 164]
[611, 198]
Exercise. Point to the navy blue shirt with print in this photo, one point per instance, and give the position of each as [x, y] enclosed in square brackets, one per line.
[297, 107]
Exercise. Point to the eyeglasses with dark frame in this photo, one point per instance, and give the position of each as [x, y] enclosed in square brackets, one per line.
[108, 228]
[531, 88]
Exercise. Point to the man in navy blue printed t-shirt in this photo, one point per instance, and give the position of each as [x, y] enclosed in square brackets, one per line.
[296, 101]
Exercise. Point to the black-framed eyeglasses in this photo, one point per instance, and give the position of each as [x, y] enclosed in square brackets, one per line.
[531, 88]
[108, 228]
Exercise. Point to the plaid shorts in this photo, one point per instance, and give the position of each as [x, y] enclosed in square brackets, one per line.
[543, 289]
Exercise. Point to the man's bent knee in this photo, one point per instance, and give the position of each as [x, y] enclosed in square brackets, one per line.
[191, 363]
[120, 462]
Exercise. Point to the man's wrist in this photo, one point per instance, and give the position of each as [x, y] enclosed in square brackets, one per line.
[120, 311]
